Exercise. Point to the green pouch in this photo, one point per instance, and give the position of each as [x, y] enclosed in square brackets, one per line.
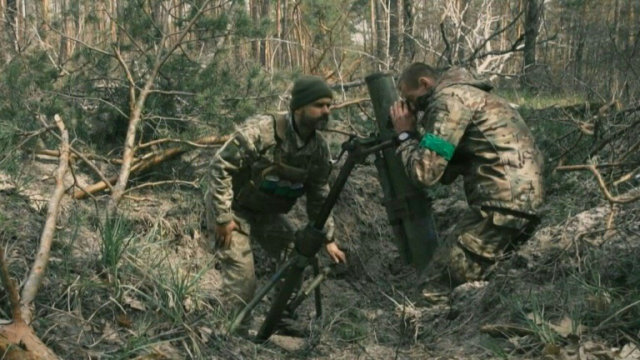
[269, 184]
[255, 199]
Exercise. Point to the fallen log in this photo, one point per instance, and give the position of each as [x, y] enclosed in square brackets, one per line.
[17, 339]
[147, 162]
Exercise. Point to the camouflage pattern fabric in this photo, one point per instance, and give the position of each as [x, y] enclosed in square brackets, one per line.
[255, 178]
[274, 233]
[495, 153]
[473, 247]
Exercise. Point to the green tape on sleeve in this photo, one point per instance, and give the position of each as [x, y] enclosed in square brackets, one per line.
[438, 145]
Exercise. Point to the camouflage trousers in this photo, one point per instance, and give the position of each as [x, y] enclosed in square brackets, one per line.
[475, 245]
[273, 232]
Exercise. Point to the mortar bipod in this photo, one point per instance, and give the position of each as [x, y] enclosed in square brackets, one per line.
[292, 271]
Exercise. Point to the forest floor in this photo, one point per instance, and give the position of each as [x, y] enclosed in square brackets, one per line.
[571, 292]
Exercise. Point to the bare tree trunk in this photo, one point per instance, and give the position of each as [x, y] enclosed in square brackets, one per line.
[302, 53]
[395, 29]
[408, 31]
[3, 10]
[532, 21]
[382, 35]
[275, 53]
[113, 10]
[44, 21]
[66, 44]
[31, 286]
[80, 11]
[255, 17]
[579, 43]
[12, 20]
[3, 20]
[21, 21]
[264, 51]
[17, 339]
[288, 56]
[617, 82]
[372, 26]
[19, 342]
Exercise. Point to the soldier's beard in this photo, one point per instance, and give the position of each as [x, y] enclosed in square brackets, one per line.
[322, 122]
[309, 124]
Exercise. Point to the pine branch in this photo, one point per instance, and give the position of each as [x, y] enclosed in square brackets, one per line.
[136, 110]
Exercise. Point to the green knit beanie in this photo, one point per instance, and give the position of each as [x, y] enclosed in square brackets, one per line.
[308, 89]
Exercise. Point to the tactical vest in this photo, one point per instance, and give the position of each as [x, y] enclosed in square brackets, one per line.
[273, 185]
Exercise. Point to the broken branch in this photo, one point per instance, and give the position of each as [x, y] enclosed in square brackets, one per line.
[148, 162]
[34, 280]
[601, 183]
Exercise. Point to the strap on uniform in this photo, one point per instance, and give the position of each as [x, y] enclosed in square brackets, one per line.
[527, 230]
[532, 218]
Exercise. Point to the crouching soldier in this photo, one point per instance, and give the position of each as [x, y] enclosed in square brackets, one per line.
[256, 178]
[465, 130]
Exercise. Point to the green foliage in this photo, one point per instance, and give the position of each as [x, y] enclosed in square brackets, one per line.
[533, 100]
[25, 83]
[9, 139]
[224, 98]
[212, 25]
[574, 4]
[597, 295]
[533, 313]
[350, 325]
[175, 286]
[116, 235]
[495, 348]
[25, 79]
[243, 24]
[138, 22]
[538, 320]
[608, 287]
[142, 342]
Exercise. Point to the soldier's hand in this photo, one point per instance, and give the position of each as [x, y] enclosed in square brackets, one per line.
[335, 253]
[223, 233]
[402, 117]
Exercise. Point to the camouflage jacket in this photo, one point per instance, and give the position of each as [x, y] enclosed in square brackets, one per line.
[470, 132]
[261, 169]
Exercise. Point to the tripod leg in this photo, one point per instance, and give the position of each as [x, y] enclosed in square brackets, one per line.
[292, 279]
[259, 295]
[317, 294]
[313, 285]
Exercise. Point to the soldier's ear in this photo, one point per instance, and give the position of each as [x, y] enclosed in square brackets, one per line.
[297, 114]
[425, 81]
